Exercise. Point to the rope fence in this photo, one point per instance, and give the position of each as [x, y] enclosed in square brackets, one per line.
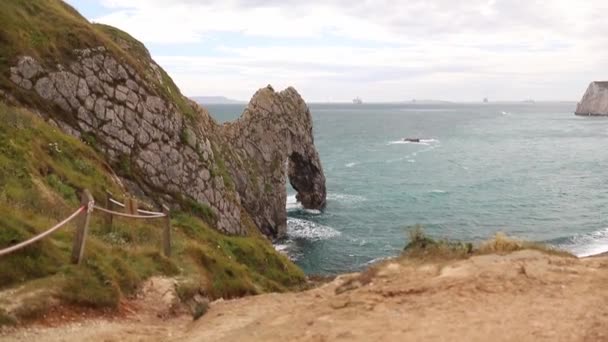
[116, 213]
[116, 202]
[41, 235]
[87, 206]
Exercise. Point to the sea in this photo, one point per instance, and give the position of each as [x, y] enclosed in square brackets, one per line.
[534, 171]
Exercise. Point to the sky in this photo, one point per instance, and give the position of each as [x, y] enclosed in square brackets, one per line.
[381, 50]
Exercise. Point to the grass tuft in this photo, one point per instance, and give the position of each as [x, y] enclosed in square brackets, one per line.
[200, 309]
[421, 246]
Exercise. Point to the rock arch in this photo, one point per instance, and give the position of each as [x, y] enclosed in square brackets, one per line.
[273, 141]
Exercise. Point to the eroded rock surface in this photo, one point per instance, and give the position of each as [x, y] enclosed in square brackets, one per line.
[595, 100]
[275, 135]
[109, 104]
[171, 155]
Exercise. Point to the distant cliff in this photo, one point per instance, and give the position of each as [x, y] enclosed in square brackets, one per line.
[595, 100]
[102, 86]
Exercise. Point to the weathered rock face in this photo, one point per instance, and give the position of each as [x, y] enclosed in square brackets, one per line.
[595, 100]
[177, 158]
[108, 102]
[275, 135]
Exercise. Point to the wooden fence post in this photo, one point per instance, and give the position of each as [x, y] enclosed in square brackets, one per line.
[109, 206]
[80, 235]
[167, 232]
[131, 205]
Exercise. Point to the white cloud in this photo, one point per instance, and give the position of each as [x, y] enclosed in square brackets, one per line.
[383, 50]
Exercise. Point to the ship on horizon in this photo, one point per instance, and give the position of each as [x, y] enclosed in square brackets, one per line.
[357, 100]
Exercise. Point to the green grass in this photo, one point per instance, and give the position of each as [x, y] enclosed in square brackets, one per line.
[421, 246]
[221, 169]
[50, 31]
[42, 173]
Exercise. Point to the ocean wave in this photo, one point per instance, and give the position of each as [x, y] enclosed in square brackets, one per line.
[312, 211]
[583, 245]
[282, 247]
[351, 164]
[304, 229]
[345, 198]
[438, 191]
[377, 260]
[292, 203]
[425, 142]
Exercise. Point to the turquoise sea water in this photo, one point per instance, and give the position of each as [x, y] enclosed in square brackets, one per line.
[534, 171]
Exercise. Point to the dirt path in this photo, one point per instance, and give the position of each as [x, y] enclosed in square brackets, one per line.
[148, 317]
[523, 296]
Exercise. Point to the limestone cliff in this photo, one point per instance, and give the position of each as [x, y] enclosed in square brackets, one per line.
[273, 139]
[595, 100]
[115, 97]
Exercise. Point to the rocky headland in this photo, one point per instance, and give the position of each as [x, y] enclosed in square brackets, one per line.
[168, 148]
[84, 106]
[594, 101]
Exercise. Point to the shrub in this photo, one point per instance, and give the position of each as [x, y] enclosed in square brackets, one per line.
[423, 246]
[199, 310]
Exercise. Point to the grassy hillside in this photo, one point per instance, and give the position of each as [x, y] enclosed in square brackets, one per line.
[42, 172]
[50, 31]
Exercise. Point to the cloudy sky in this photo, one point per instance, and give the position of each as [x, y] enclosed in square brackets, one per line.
[381, 50]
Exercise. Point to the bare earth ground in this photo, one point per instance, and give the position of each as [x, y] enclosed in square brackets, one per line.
[522, 296]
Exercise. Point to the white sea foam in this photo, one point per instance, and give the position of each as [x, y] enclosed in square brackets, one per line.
[292, 203]
[312, 211]
[345, 198]
[584, 245]
[411, 160]
[282, 247]
[505, 113]
[351, 164]
[377, 260]
[304, 229]
[438, 191]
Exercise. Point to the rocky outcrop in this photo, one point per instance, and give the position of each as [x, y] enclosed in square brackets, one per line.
[275, 138]
[109, 104]
[595, 100]
[172, 150]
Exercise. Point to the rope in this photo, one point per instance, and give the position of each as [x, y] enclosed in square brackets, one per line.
[141, 211]
[41, 235]
[129, 215]
[116, 202]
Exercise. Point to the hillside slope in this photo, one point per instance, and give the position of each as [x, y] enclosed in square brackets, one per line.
[521, 296]
[42, 173]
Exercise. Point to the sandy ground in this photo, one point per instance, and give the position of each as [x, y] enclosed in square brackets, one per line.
[523, 296]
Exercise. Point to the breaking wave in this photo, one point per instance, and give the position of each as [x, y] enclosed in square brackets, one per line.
[583, 245]
[292, 203]
[345, 198]
[304, 229]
